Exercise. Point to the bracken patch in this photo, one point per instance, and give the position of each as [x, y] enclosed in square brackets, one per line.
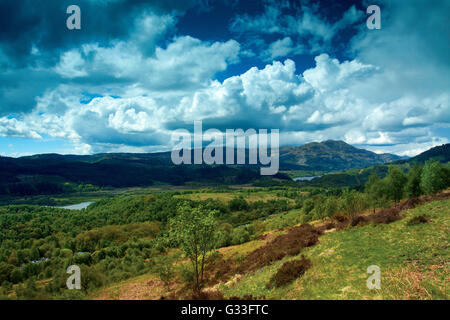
[418, 220]
[288, 244]
[288, 272]
[386, 216]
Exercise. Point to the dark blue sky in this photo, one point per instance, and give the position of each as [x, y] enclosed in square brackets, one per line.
[137, 70]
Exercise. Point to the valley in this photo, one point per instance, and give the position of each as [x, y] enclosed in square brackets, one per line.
[271, 238]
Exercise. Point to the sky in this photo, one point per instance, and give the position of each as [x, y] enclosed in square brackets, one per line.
[138, 70]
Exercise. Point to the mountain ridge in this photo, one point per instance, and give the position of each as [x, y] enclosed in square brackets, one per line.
[331, 155]
[327, 156]
[440, 153]
[49, 173]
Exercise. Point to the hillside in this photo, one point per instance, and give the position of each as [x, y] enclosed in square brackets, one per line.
[329, 156]
[410, 251]
[439, 153]
[412, 259]
[354, 178]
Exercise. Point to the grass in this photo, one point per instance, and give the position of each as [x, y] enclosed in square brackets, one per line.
[413, 262]
[144, 287]
[228, 196]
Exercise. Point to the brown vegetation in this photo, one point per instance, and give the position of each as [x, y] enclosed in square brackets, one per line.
[289, 271]
[288, 244]
[385, 216]
[418, 220]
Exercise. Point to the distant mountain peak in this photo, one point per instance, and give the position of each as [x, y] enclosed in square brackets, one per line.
[330, 155]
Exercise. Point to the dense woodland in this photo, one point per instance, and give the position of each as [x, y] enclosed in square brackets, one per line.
[114, 239]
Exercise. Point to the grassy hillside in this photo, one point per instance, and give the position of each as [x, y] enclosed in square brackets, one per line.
[413, 257]
[413, 261]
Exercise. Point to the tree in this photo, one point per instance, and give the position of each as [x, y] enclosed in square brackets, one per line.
[238, 204]
[396, 181]
[432, 179]
[194, 231]
[319, 206]
[224, 237]
[13, 258]
[308, 206]
[413, 188]
[5, 271]
[373, 190]
[16, 276]
[331, 206]
[352, 202]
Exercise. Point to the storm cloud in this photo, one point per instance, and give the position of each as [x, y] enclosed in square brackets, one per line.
[131, 75]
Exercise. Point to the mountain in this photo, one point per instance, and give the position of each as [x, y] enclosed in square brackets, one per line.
[360, 177]
[330, 156]
[440, 153]
[50, 173]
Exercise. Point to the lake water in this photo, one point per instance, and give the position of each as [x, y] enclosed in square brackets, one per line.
[78, 206]
[305, 178]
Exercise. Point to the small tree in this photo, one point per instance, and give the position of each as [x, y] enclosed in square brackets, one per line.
[308, 206]
[413, 188]
[238, 204]
[320, 206]
[331, 206]
[432, 179]
[396, 181]
[373, 190]
[194, 231]
[352, 202]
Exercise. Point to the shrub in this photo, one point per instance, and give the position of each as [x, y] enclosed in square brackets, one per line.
[186, 273]
[164, 268]
[238, 204]
[386, 216]
[417, 220]
[289, 244]
[91, 278]
[240, 236]
[289, 271]
[358, 220]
